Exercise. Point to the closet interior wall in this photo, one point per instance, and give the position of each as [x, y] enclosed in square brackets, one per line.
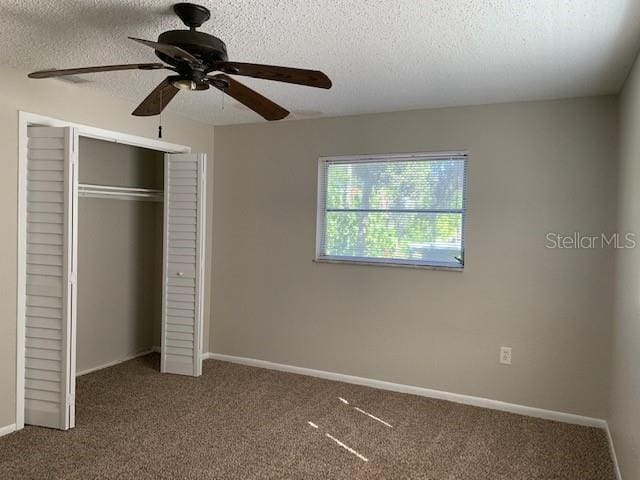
[119, 255]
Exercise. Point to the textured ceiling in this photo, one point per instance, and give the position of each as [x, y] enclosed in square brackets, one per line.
[382, 55]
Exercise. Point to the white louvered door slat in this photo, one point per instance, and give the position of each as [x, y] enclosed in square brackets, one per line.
[183, 268]
[49, 383]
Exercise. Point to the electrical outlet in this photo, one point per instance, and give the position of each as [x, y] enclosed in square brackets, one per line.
[505, 355]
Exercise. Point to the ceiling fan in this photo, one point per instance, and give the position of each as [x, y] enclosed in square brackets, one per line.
[193, 56]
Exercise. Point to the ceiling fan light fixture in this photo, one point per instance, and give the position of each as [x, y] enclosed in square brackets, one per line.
[185, 84]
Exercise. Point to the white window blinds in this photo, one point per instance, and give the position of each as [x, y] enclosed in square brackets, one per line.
[392, 209]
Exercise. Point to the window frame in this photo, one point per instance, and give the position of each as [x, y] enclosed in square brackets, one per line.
[386, 157]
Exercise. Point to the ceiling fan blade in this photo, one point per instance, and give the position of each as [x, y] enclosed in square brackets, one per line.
[104, 68]
[310, 78]
[172, 51]
[249, 98]
[157, 100]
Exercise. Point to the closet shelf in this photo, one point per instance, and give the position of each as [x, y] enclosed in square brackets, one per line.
[120, 193]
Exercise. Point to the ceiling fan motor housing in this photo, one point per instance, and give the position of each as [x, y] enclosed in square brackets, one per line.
[207, 48]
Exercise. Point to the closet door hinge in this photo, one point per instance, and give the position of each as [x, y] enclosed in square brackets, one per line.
[73, 278]
[70, 399]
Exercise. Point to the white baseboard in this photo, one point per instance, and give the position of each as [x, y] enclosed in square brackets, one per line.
[6, 430]
[116, 362]
[423, 392]
[612, 450]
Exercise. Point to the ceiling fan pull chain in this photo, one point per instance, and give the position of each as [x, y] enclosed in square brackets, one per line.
[160, 120]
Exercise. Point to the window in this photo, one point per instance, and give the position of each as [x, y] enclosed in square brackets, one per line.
[392, 209]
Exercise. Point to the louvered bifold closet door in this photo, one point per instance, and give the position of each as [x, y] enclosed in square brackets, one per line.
[184, 202]
[49, 381]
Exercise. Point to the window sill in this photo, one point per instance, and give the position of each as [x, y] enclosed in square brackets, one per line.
[389, 264]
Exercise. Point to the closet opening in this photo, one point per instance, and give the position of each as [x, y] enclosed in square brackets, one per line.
[120, 232]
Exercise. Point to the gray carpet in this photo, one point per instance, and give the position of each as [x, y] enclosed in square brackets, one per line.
[239, 422]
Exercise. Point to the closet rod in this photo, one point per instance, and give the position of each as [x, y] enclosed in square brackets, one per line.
[120, 193]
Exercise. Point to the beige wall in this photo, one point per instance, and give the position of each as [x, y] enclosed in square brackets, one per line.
[119, 256]
[76, 104]
[534, 168]
[624, 416]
